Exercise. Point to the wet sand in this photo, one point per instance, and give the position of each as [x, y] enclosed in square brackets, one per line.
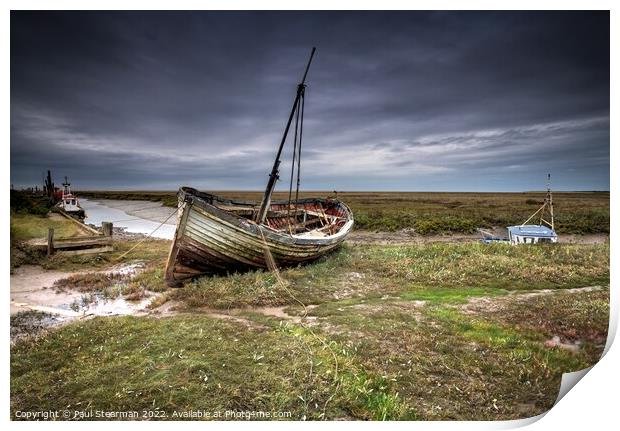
[31, 289]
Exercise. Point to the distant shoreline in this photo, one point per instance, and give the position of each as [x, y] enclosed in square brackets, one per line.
[429, 213]
[97, 191]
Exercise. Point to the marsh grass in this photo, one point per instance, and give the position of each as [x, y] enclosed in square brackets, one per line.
[430, 272]
[431, 363]
[151, 251]
[96, 281]
[193, 362]
[149, 280]
[30, 324]
[572, 316]
[30, 226]
[401, 322]
[444, 364]
[112, 284]
[26, 227]
[22, 202]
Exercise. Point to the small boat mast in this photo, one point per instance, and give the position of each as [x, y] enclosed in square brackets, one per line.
[69, 202]
[273, 176]
[548, 204]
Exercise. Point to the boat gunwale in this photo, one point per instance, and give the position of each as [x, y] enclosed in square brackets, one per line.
[198, 198]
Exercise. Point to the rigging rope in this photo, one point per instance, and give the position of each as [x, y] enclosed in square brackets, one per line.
[128, 219]
[299, 127]
[290, 189]
[146, 237]
[157, 205]
[301, 131]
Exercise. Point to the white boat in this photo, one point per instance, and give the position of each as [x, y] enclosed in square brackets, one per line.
[70, 203]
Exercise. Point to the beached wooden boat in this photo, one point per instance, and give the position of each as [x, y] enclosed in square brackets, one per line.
[215, 235]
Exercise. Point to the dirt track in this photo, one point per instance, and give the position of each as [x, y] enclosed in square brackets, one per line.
[404, 237]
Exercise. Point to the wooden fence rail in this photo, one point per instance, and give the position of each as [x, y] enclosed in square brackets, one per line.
[100, 243]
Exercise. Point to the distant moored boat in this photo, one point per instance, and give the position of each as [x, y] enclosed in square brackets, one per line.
[70, 203]
[544, 231]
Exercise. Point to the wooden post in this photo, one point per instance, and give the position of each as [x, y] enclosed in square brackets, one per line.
[106, 228]
[50, 241]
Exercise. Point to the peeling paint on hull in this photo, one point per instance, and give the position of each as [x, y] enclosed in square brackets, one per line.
[213, 238]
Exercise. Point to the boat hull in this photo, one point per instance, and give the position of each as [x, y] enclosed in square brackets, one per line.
[210, 240]
[76, 211]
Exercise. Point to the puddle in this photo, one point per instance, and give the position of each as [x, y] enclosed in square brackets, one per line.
[128, 269]
[97, 305]
[32, 290]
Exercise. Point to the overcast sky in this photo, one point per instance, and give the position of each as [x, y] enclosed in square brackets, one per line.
[476, 101]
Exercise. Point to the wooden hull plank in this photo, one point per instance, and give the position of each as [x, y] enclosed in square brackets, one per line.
[212, 238]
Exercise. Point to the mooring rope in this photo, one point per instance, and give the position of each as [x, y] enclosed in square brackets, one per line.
[157, 205]
[127, 219]
[146, 237]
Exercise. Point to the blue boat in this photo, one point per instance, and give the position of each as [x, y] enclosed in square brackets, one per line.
[531, 234]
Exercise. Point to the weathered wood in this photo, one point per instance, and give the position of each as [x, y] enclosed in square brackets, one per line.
[174, 249]
[85, 238]
[211, 240]
[81, 242]
[50, 241]
[106, 227]
[104, 249]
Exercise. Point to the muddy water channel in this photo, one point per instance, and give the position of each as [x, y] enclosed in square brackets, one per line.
[142, 217]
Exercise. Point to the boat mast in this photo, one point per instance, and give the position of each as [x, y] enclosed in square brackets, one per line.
[550, 200]
[273, 176]
[66, 188]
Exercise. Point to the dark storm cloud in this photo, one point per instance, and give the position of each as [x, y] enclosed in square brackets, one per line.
[398, 100]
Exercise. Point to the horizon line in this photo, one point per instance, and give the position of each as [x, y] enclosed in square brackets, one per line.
[349, 191]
